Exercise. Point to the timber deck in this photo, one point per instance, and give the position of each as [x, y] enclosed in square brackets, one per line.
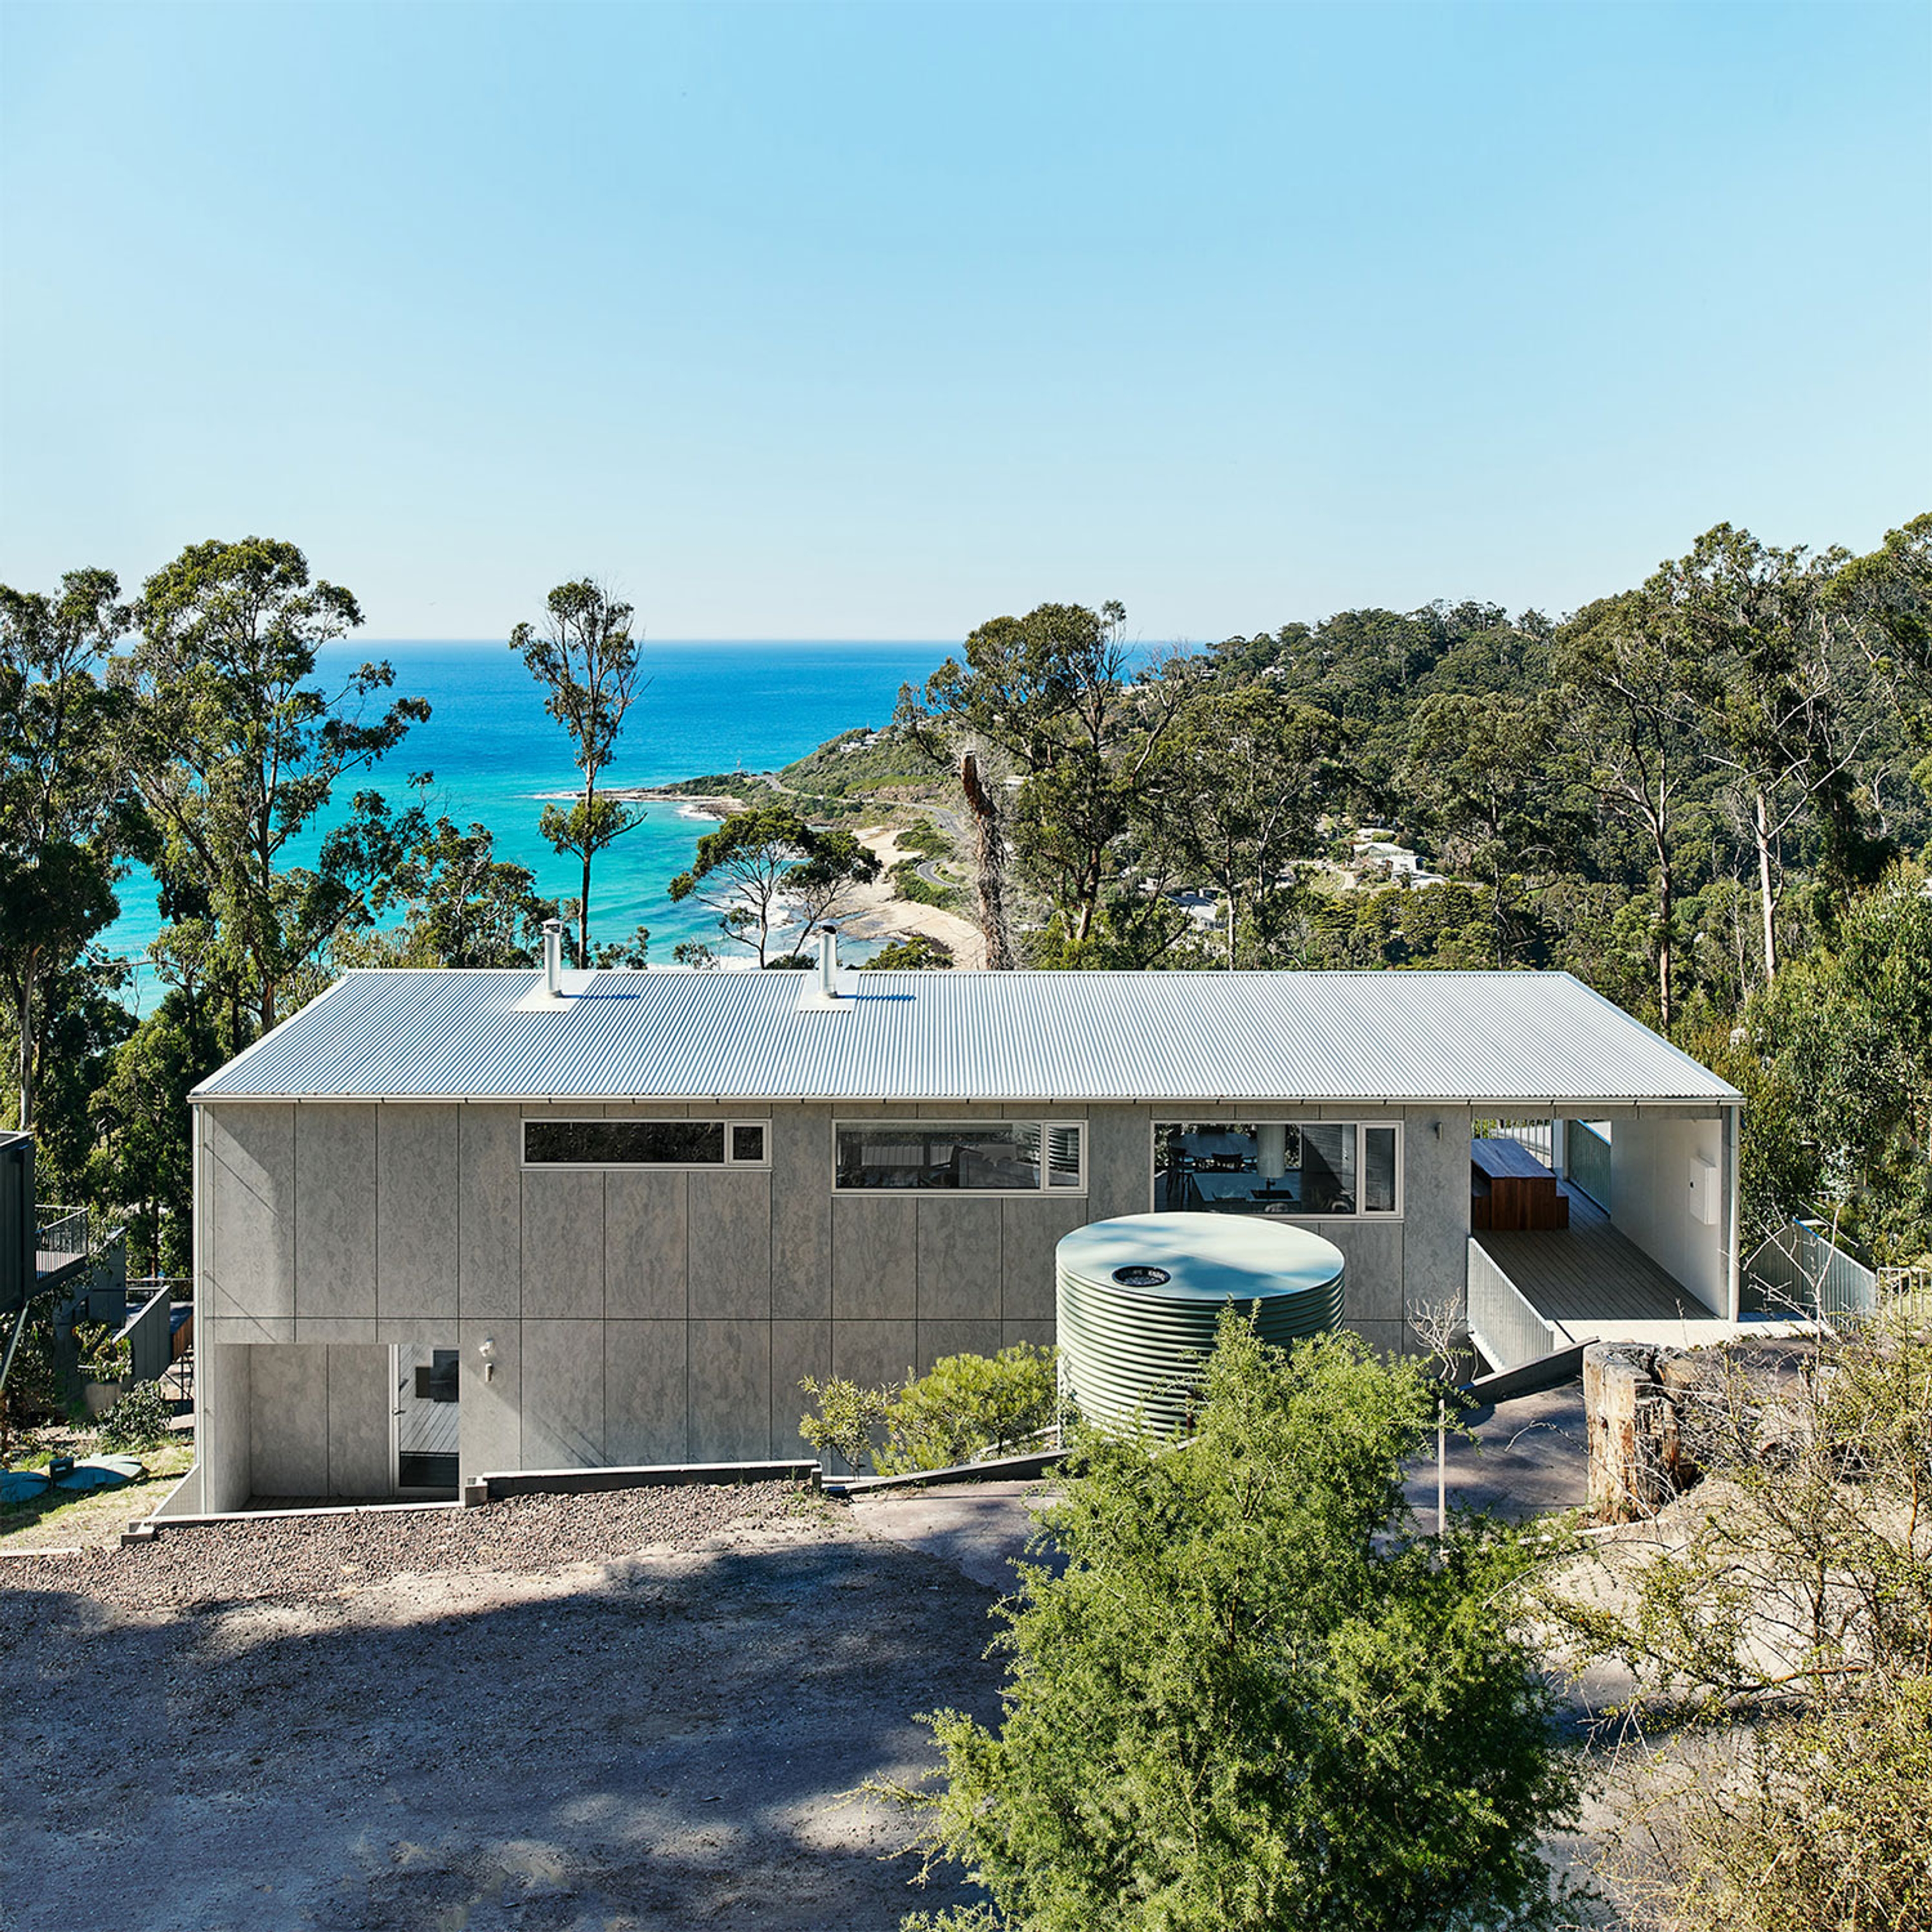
[1588, 1275]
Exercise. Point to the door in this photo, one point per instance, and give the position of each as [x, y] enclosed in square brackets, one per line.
[426, 1387]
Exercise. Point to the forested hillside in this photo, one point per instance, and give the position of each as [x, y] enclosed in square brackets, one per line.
[1709, 795]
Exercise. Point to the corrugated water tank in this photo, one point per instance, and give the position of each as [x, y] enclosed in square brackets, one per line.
[1137, 1298]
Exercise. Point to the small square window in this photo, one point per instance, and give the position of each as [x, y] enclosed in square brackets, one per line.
[747, 1143]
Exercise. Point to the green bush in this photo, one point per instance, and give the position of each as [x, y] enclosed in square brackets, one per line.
[969, 1406]
[919, 953]
[141, 1419]
[847, 1416]
[965, 1408]
[907, 883]
[102, 1357]
[926, 839]
[1254, 1699]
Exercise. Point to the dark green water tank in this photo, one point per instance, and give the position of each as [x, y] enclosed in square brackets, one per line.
[1137, 1298]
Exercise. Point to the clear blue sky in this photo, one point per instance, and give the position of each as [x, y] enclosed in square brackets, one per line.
[877, 321]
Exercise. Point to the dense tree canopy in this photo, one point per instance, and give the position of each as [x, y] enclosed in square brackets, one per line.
[236, 748]
[1253, 1698]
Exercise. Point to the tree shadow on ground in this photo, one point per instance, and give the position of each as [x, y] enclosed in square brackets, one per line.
[643, 1744]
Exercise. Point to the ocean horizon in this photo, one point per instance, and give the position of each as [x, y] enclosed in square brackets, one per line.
[709, 706]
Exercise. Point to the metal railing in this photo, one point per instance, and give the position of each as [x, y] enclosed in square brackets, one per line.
[1538, 1136]
[1798, 1270]
[61, 1230]
[149, 1336]
[1587, 1162]
[1908, 1288]
[1506, 1329]
[143, 1287]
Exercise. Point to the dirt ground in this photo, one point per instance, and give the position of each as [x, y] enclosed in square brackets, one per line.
[429, 1721]
[632, 1713]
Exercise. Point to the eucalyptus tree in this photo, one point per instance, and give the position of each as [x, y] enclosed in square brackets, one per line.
[238, 748]
[1484, 771]
[587, 658]
[1887, 598]
[65, 808]
[1049, 694]
[1776, 714]
[1626, 700]
[1243, 776]
[449, 900]
[767, 872]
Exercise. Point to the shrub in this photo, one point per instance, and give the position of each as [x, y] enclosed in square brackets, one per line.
[919, 953]
[908, 883]
[968, 1406]
[101, 1357]
[1772, 1637]
[847, 1416]
[964, 1407]
[141, 1419]
[1254, 1699]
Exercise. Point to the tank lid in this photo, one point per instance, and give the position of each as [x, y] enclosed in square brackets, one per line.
[1203, 1257]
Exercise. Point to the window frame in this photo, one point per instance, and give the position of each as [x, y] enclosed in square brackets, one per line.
[1361, 1217]
[727, 1165]
[1041, 1124]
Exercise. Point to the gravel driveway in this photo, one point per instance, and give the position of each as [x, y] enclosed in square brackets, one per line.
[644, 1710]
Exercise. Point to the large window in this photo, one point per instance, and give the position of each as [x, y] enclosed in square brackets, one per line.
[984, 1157]
[645, 1143]
[1299, 1170]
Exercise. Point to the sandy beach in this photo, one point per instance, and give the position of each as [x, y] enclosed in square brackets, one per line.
[877, 911]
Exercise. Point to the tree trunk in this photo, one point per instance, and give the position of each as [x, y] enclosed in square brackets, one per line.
[24, 1020]
[584, 904]
[1762, 828]
[1667, 900]
[990, 865]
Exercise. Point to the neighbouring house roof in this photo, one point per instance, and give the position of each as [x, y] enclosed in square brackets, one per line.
[1387, 1036]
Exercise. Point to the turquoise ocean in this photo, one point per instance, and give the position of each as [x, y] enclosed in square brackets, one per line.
[495, 753]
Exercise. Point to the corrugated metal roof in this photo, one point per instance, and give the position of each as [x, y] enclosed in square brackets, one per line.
[960, 1035]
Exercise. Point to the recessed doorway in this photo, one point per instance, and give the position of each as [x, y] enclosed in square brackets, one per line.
[425, 1383]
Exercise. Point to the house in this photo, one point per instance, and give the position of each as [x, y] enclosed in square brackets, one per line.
[455, 1222]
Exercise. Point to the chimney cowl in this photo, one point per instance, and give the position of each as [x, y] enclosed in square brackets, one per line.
[552, 955]
[828, 962]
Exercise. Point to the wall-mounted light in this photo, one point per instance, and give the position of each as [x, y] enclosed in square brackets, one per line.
[486, 1354]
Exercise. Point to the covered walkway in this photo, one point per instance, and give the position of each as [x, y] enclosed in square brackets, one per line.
[1588, 1276]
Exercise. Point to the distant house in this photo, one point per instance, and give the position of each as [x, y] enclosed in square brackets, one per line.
[456, 1222]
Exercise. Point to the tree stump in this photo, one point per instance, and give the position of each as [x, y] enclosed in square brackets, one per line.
[1633, 1436]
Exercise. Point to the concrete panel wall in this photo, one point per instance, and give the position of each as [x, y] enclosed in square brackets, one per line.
[1651, 1153]
[645, 1410]
[563, 1407]
[247, 1262]
[418, 1166]
[335, 1214]
[223, 1425]
[648, 1317]
[1435, 1208]
[319, 1421]
[359, 1421]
